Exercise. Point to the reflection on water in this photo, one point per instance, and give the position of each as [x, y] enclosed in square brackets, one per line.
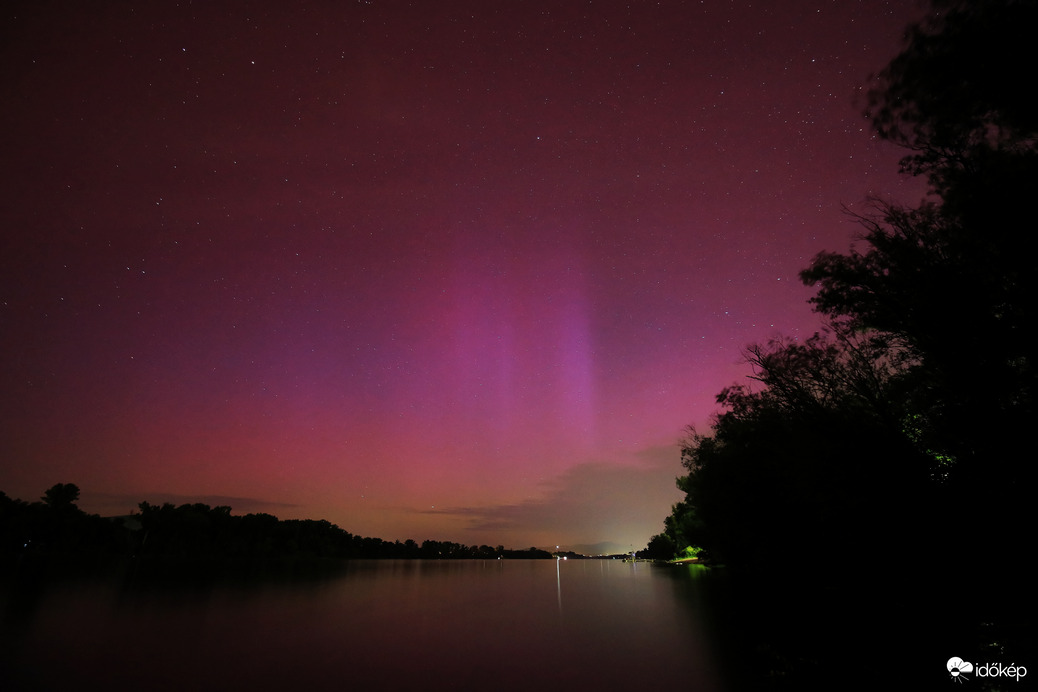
[373, 625]
[558, 581]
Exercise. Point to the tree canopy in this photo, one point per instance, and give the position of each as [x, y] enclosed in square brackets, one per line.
[955, 90]
[61, 495]
[908, 417]
[197, 532]
[800, 467]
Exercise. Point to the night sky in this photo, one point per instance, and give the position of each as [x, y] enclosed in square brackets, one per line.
[448, 270]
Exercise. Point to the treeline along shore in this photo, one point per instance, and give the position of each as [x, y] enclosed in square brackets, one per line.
[55, 527]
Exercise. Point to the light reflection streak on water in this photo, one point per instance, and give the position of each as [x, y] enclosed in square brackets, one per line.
[558, 583]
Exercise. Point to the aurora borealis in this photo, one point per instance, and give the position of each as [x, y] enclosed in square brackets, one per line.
[459, 271]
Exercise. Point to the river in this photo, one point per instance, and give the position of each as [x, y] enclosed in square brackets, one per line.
[371, 625]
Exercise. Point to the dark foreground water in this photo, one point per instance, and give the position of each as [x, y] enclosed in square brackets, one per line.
[371, 625]
[537, 625]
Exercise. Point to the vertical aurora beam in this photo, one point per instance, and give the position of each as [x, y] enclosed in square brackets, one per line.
[519, 340]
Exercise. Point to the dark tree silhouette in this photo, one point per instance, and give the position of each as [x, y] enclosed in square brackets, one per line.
[955, 90]
[660, 547]
[900, 439]
[927, 382]
[798, 468]
[199, 536]
[953, 280]
[61, 495]
[959, 300]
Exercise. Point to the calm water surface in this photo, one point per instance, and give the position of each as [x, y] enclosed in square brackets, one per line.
[375, 625]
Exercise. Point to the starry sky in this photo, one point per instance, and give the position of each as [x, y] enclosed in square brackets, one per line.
[451, 270]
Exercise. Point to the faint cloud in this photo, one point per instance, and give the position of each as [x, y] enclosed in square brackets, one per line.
[601, 506]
